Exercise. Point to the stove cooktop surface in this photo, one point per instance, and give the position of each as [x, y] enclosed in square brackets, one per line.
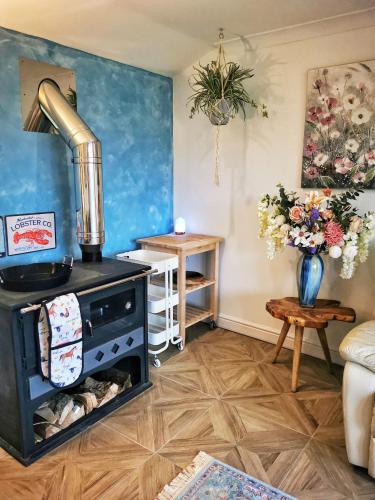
[84, 275]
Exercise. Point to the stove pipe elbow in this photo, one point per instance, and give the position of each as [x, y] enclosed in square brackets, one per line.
[87, 159]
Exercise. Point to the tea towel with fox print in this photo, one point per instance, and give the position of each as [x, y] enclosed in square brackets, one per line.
[60, 340]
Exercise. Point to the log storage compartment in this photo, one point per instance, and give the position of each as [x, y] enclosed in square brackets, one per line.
[70, 405]
[37, 417]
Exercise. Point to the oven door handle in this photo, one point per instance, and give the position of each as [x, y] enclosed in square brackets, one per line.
[35, 307]
[90, 328]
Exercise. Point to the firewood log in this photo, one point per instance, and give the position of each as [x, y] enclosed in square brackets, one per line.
[45, 429]
[87, 399]
[51, 430]
[112, 392]
[119, 377]
[61, 405]
[100, 389]
[77, 412]
[127, 384]
[47, 414]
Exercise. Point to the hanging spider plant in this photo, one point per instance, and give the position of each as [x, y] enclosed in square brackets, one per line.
[219, 92]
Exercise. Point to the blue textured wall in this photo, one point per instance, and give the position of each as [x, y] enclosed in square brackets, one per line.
[128, 109]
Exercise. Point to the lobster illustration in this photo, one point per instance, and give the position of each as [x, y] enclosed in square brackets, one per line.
[38, 236]
[68, 354]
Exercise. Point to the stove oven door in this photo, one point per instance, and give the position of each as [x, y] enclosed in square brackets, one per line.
[113, 312]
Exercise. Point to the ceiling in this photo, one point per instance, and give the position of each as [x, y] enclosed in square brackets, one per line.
[163, 36]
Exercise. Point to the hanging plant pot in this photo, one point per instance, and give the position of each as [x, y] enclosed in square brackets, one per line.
[219, 93]
[220, 113]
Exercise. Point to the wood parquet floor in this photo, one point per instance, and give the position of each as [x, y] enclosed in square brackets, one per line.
[222, 396]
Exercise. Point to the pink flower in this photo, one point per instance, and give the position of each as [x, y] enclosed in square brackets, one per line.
[296, 213]
[310, 148]
[314, 113]
[332, 103]
[311, 172]
[358, 177]
[327, 119]
[370, 157]
[333, 233]
[343, 165]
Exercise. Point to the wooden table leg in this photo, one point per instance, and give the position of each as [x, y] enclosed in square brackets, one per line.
[214, 275]
[298, 336]
[281, 339]
[324, 344]
[181, 308]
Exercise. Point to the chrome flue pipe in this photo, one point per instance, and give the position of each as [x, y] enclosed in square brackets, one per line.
[87, 159]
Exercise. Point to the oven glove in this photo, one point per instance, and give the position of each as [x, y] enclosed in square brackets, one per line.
[60, 340]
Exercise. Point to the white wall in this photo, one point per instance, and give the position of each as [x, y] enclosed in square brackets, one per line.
[254, 157]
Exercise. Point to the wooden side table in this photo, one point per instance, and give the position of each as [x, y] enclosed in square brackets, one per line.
[184, 246]
[291, 313]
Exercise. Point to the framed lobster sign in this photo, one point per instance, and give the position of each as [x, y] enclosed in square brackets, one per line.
[30, 232]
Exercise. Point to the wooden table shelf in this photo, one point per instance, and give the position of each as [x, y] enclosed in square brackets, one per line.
[189, 287]
[184, 246]
[198, 286]
[193, 314]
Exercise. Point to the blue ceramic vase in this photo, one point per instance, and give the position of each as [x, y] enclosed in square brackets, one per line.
[309, 277]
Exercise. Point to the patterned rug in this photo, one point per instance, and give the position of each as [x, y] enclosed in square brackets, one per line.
[209, 479]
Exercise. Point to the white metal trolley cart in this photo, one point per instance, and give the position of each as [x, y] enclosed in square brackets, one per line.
[162, 328]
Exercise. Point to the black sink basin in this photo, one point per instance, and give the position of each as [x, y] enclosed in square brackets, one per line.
[33, 277]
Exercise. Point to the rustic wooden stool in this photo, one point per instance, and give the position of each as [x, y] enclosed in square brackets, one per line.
[289, 311]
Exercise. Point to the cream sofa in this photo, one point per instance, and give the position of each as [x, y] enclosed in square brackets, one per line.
[358, 350]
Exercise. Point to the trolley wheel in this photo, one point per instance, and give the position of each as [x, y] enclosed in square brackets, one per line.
[213, 325]
[180, 345]
[156, 362]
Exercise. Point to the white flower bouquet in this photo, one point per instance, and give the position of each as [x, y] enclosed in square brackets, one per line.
[321, 223]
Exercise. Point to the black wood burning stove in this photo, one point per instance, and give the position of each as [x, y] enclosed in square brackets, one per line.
[113, 301]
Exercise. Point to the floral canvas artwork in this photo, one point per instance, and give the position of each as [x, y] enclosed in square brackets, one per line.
[339, 141]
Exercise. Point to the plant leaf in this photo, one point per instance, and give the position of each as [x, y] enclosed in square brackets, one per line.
[370, 175]
[327, 181]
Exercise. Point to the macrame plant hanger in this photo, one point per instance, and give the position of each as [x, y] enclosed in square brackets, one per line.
[220, 63]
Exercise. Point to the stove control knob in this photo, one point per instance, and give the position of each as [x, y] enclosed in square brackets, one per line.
[128, 305]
